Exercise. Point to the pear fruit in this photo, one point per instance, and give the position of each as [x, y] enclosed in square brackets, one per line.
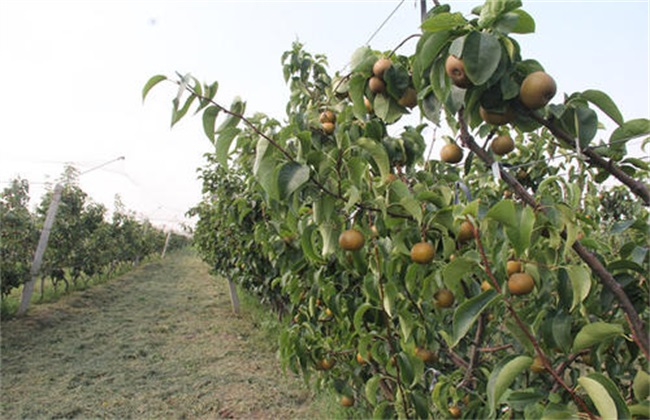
[381, 66]
[451, 153]
[455, 69]
[497, 118]
[537, 89]
[502, 145]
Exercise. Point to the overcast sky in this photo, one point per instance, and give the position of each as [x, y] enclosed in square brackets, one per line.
[72, 74]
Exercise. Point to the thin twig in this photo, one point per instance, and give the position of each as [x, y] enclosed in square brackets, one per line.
[473, 353]
[562, 367]
[495, 349]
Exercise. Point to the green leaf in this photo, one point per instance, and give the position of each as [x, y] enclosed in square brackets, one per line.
[605, 103]
[471, 208]
[605, 396]
[519, 400]
[390, 294]
[641, 410]
[412, 206]
[357, 86]
[208, 94]
[516, 21]
[586, 122]
[358, 316]
[430, 46]
[324, 208]
[641, 385]
[555, 411]
[406, 369]
[629, 130]
[520, 233]
[519, 335]
[503, 375]
[468, 312]
[211, 90]
[237, 107]
[638, 163]
[383, 410]
[177, 114]
[329, 234]
[503, 212]
[581, 283]
[209, 121]
[151, 83]
[264, 168]
[362, 60]
[291, 177]
[493, 9]
[372, 386]
[307, 244]
[561, 330]
[381, 105]
[378, 154]
[443, 22]
[397, 80]
[481, 56]
[406, 324]
[595, 333]
[456, 270]
[224, 141]
[525, 23]
[260, 151]
[354, 197]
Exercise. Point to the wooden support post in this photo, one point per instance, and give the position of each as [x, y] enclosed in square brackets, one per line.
[234, 299]
[28, 288]
[169, 234]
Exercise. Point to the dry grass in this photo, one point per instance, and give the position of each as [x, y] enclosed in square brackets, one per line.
[159, 342]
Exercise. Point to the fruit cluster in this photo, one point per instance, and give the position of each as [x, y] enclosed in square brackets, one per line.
[535, 92]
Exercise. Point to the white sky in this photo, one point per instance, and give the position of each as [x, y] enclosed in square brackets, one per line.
[73, 71]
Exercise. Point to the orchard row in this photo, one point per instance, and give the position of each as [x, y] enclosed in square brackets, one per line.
[83, 242]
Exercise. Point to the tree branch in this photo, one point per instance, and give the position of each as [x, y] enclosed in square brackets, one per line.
[286, 154]
[597, 268]
[636, 186]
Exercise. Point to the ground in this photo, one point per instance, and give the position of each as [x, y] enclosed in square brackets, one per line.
[159, 342]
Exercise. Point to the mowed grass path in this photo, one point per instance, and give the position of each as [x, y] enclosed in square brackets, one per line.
[159, 342]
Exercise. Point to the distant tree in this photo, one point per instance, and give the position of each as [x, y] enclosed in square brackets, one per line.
[18, 236]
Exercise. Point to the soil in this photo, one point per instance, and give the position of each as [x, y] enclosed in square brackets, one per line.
[158, 342]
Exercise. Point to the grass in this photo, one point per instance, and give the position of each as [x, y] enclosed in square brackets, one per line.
[158, 342]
